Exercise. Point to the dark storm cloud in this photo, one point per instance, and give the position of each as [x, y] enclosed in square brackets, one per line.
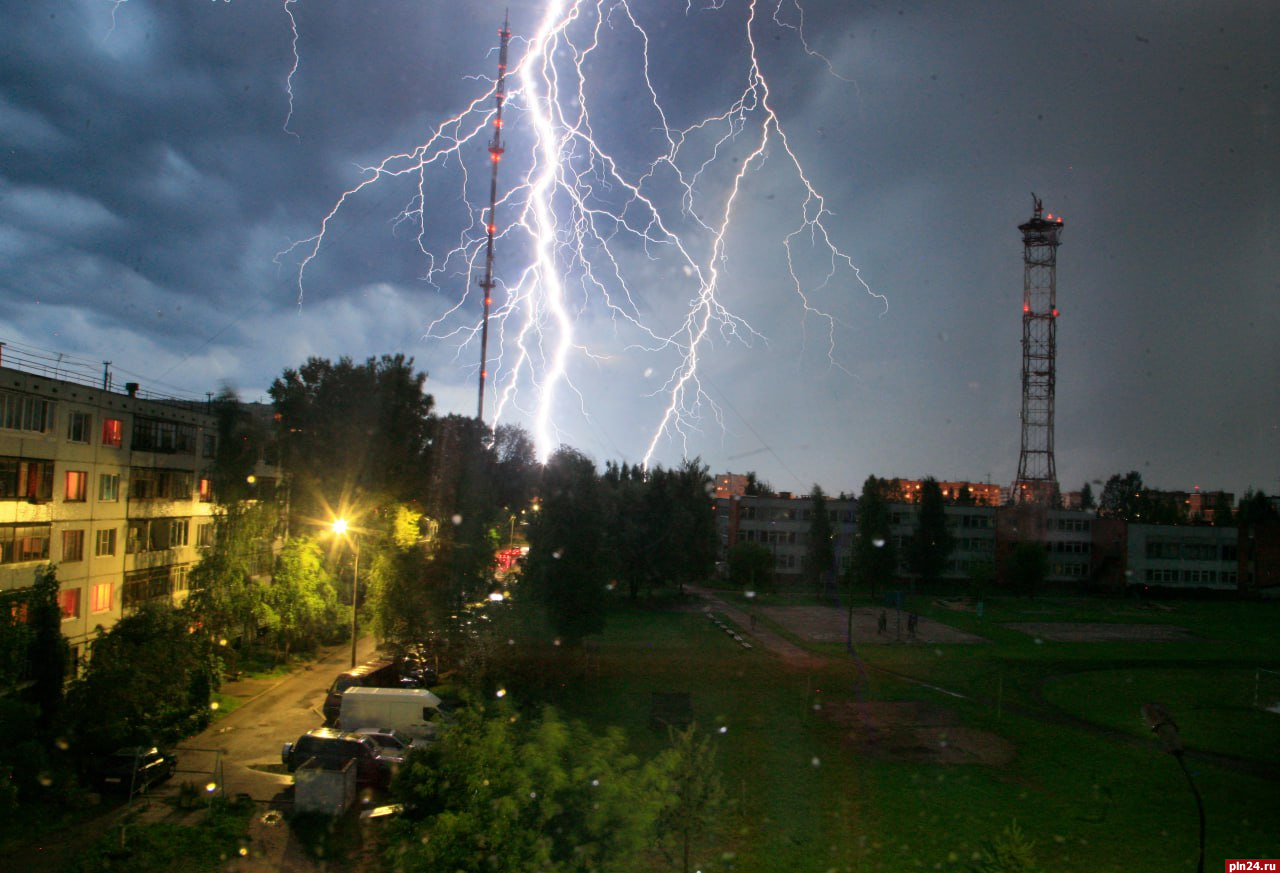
[148, 181]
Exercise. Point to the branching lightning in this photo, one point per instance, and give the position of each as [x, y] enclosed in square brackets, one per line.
[593, 230]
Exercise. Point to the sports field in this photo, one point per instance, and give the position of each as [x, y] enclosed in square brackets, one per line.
[911, 751]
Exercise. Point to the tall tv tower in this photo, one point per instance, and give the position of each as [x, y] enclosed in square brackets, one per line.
[1037, 480]
[491, 227]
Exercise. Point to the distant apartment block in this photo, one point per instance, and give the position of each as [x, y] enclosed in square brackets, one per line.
[1083, 551]
[781, 524]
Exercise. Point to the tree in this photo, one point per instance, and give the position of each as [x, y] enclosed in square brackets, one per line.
[564, 574]
[301, 601]
[1254, 507]
[1122, 497]
[49, 652]
[1008, 852]
[696, 792]
[351, 433]
[242, 440]
[150, 680]
[875, 559]
[525, 795]
[1028, 567]
[820, 554]
[686, 522]
[756, 487]
[226, 598]
[631, 528]
[1223, 515]
[1086, 496]
[932, 544]
[750, 565]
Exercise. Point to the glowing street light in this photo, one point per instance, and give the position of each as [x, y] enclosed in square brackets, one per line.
[340, 528]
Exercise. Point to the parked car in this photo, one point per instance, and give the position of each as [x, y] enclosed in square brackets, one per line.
[375, 674]
[374, 766]
[392, 741]
[133, 769]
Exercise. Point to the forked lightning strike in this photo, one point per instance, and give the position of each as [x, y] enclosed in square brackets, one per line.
[584, 235]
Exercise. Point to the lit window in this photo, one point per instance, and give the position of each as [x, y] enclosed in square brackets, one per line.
[206, 490]
[24, 542]
[72, 545]
[69, 603]
[77, 486]
[102, 596]
[112, 432]
[25, 479]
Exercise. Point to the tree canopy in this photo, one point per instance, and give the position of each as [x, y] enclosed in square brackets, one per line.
[150, 681]
[527, 794]
[351, 433]
[932, 543]
[875, 560]
[820, 553]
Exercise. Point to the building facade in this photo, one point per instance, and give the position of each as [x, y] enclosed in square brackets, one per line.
[781, 524]
[114, 490]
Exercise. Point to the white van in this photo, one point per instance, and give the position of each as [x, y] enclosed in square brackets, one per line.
[413, 711]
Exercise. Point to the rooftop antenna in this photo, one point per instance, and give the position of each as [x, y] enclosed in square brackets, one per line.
[491, 227]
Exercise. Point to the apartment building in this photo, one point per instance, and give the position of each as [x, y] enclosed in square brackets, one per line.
[781, 524]
[113, 489]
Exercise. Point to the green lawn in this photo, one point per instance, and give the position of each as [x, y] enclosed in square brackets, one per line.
[803, 798]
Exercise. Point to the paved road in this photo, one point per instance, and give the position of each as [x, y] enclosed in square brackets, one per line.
[248, 741]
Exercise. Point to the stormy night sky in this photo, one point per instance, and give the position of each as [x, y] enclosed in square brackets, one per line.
[155, 171]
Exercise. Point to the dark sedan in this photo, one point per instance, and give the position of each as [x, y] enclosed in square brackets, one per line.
[134, 769]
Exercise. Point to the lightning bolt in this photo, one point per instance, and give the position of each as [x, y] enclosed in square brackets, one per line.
[592, 230]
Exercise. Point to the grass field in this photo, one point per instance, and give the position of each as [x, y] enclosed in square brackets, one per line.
[810, 790]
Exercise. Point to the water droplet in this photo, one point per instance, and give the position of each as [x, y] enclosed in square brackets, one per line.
[557, 554]
[724, 729]
[878, 542]
[501, 692]
[457, 519]
[816, 761]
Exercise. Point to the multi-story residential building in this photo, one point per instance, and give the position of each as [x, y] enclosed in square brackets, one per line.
[1084, 551]
[114, 489]
[781, 523]
[1183, 556]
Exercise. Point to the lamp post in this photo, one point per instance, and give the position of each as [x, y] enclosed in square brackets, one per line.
[341, 527]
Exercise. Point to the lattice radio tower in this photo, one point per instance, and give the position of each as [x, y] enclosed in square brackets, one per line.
[491, 228]
[1037, 480]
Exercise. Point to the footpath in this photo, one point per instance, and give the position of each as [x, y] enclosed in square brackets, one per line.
[769, 639]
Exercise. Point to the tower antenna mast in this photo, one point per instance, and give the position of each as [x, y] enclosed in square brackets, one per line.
[491, 227]
[1037, 480]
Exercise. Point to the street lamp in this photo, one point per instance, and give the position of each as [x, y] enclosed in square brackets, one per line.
[340, 527]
